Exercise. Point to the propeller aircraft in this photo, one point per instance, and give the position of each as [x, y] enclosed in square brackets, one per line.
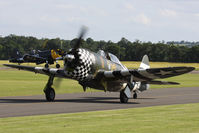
[104, 71]
[40, 57]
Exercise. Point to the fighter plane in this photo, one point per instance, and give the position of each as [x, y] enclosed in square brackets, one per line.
[104, 71]
[48, 57]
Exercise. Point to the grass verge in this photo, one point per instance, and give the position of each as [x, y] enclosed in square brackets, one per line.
[159, 119]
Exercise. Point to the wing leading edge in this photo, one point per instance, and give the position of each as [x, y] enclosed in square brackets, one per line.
[47, 71]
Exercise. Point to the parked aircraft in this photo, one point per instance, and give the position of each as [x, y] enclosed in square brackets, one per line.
[39, 57]
[104, 71]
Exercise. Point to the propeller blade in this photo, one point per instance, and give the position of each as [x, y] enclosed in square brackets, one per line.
[81, 36]
[44, 43]
[57, 82]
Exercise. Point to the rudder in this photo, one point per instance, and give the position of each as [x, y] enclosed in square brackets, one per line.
[145, 63]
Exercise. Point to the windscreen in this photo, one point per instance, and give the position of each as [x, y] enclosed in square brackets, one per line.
[102, 53]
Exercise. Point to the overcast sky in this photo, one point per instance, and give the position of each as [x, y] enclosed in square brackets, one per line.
[146, 20]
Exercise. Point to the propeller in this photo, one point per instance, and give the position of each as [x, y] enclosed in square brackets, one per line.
[45, 43]
[70, 56]
[57, 82]
[81, 36]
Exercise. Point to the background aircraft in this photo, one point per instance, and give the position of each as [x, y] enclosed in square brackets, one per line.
[39, 57]
[104, 71]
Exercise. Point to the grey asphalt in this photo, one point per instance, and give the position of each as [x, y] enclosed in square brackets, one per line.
[92, 101]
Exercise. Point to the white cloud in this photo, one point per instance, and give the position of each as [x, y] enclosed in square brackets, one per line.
[129, 6]
[66, 6]
[50, 19]
[73, 19]
[71, 7]
[168, 13]
[143, 19]
[197, 14]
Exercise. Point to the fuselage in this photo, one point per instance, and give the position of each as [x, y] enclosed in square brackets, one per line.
[87, 64]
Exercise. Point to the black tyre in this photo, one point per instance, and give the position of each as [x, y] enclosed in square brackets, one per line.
[46, 65]
[135, 96]
[123, 97]
[57, 66]
[50, 94]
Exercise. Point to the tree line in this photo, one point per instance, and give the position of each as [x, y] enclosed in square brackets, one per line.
[124, 49]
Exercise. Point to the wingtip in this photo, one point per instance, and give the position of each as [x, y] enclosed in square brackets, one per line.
[11, 65]
[6, 64]
[189, 69]
[173, 83]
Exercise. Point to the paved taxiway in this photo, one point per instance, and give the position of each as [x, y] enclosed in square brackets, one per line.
[91, 101]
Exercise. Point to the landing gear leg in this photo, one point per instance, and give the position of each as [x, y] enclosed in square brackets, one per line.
[123, 97]
[135, 95]
[48, 90]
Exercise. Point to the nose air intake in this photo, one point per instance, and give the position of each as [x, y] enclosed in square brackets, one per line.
[69, 57]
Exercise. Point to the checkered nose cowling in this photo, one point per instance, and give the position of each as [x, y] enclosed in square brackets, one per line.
[82, 69]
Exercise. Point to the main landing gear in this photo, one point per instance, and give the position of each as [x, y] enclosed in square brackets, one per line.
[57, 65]
[123, 97]
[47, 65]
[135, 95]
[48, 90]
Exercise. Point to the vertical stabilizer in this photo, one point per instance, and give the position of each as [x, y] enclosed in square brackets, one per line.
[145, 63]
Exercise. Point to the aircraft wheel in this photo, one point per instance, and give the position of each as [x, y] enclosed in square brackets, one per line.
[50, 94]
[57, 66]
[46, 65]
[123, 97]
[135, 96]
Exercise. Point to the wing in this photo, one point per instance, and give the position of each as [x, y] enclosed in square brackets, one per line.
[46, 71]
[144, 75]
[34, 59]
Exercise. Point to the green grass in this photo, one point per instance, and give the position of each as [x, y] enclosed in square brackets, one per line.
[21, 83]
[159, 119]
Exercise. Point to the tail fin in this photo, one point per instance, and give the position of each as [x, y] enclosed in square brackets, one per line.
[145, 63]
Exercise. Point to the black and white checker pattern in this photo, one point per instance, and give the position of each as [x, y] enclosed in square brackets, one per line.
[82, 71]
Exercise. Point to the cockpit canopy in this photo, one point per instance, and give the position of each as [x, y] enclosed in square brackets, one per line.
[113, 58]
[102, 53]
[109, 56]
